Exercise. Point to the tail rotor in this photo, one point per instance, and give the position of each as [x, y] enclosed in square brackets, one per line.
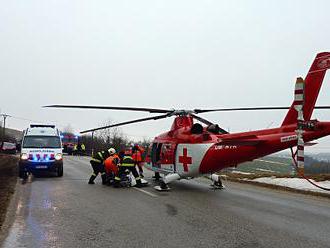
[298, 156]
[299, 97]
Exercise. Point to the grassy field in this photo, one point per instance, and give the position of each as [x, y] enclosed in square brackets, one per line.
[267, 167]
[268, 164]
[8, 176]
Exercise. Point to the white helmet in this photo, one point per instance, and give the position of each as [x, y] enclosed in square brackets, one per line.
[112, 151]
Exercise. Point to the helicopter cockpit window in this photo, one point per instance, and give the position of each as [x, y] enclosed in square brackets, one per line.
[197, 129]
[214, 128]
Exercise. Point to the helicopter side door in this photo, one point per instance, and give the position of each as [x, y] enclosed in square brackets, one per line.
[162, 157]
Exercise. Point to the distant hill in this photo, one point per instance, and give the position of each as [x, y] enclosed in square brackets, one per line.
[323, 156]
[13, 133]
[268, 164]
[283, 165]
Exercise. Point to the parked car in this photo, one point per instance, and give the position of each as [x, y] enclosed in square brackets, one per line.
[7, 147]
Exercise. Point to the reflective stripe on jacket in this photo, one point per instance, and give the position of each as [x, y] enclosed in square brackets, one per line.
[100, 156]
[96, 160]
[127, 161]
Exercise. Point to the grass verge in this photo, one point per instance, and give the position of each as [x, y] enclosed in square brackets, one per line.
[251, 176]
[8, 176]
[242, 178]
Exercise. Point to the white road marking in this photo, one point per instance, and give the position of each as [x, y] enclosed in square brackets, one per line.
[146, 192]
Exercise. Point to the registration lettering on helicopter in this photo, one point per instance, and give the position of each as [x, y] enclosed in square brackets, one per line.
[288, 138]
[222, 147]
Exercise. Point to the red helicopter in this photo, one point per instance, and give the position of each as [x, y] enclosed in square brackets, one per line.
[191, 150]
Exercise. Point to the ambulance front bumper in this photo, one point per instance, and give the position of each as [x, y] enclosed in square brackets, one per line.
[33, 166]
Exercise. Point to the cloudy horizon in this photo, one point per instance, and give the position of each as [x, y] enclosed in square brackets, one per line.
[158, 54]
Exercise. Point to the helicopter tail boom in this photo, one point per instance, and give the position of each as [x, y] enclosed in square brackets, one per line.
[313, 83]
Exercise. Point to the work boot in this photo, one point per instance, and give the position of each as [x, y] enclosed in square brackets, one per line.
[139, 183]
[91, 179]
[104, 179]
[117, 184]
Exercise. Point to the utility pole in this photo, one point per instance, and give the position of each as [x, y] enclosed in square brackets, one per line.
[92, 143]
[4, 125]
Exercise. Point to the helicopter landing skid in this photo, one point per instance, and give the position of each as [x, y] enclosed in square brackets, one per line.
[217, 187]
[159, 188]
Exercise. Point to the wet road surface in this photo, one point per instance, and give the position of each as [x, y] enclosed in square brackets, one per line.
[67, 212]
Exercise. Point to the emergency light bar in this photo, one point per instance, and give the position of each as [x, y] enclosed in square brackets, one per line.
[41, 125]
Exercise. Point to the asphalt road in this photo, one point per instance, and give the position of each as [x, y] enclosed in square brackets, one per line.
[67, 212]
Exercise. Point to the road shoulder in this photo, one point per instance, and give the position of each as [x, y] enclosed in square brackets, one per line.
[8, 192]
[280, 187]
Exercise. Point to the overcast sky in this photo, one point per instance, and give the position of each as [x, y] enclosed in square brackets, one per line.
[161, 54]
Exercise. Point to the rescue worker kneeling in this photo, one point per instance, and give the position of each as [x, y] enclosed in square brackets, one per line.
[111, 166]
[97, 163]
[128, 163]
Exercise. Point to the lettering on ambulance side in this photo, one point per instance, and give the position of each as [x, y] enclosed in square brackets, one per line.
[189, 157]
[51, 151]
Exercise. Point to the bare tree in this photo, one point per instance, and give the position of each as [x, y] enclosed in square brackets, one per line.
[145, 142]
[110, 137]
[106, 138]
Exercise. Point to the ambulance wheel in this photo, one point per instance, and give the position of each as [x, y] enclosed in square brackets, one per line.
[60, 171]
[23, 174]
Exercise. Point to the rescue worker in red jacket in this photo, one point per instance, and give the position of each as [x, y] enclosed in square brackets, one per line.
[111, 164]
[137, 152]
[97, 163]
[127, 163]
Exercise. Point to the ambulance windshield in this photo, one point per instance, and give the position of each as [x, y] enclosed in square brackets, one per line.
[41, 142]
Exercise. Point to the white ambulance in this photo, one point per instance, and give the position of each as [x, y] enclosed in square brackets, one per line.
[41, 150]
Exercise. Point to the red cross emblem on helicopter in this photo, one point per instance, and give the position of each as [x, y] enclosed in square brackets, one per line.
[185, 160]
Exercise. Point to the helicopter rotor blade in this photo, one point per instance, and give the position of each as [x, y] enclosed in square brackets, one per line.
[126, 123]
[199, 111]
[150, 110]
[322, 107]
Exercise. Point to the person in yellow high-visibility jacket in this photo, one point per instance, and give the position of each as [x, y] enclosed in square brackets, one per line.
[127, 163]
[83, 149]
[97, 163]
